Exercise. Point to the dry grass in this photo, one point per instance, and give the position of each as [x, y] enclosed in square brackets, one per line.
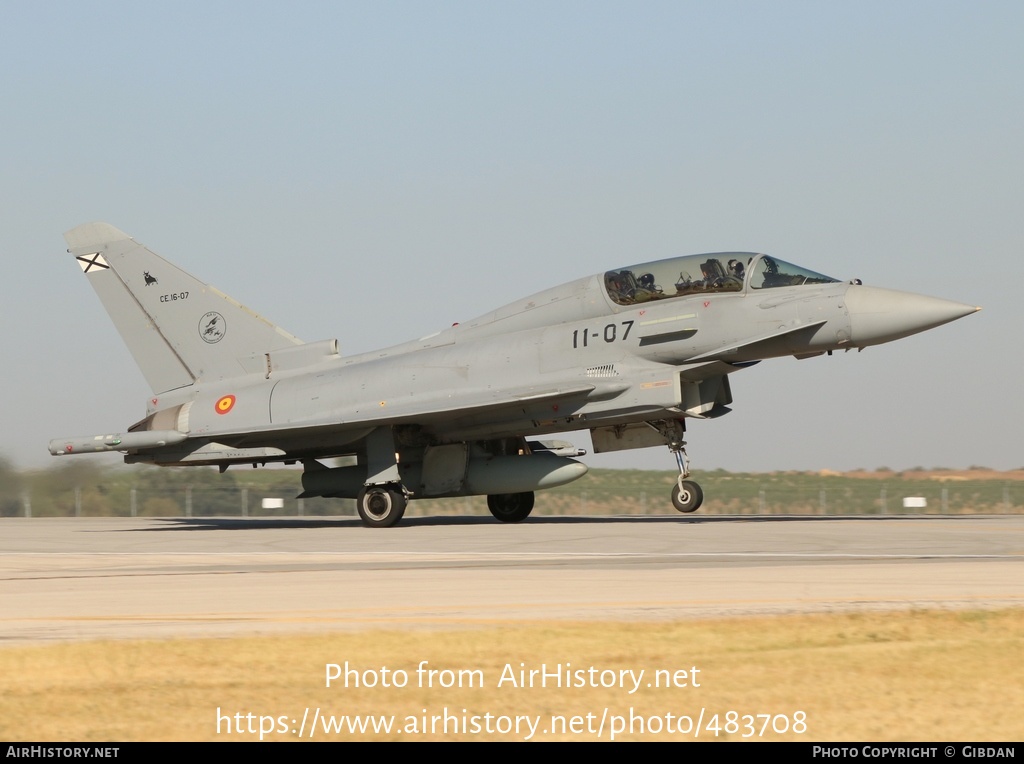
[931, 676]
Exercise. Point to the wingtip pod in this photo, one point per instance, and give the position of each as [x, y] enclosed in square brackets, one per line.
[89, 237]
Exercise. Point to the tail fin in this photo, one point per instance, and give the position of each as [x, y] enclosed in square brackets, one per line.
[178, 329]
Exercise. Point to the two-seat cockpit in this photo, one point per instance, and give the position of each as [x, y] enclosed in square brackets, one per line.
[704, 274]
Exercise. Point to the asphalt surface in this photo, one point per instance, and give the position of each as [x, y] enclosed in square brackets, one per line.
[89, 578]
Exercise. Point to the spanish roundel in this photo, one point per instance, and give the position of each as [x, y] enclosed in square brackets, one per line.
[225, 404]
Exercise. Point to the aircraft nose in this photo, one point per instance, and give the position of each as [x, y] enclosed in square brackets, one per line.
[882, 315]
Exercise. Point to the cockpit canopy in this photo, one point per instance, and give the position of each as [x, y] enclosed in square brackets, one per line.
[704, 274]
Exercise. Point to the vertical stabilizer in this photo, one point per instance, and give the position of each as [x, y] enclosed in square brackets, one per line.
[178, 329]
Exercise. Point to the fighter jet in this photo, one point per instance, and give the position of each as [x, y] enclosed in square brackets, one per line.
[629, 354]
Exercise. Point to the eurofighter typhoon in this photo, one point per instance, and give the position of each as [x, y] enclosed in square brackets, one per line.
[628, 354]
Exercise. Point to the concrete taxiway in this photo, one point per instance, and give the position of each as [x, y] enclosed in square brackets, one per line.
[70, 579]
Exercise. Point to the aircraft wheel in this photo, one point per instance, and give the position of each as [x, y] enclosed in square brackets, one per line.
[687, 497]
[380, 506]
[511, 507]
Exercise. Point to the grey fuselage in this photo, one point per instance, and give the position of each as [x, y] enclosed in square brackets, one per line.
[567, 358]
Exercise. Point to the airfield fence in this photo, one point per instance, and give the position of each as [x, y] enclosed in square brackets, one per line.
[604, 493]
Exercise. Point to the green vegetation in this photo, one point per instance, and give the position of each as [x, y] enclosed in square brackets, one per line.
[85, 489]
[10, 490]
[80, 487]
[809, 493]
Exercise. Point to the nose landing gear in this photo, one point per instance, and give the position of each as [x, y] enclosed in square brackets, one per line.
[687, 495]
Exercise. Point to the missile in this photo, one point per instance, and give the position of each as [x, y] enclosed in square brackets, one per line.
[129, 441]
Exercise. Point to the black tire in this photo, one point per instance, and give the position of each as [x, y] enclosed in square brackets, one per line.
[689, 498]
[511, 507]
[380, 506]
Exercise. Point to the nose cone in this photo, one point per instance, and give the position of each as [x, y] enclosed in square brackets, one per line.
[882, 315]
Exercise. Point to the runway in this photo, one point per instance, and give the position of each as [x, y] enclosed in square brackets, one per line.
[90, 578]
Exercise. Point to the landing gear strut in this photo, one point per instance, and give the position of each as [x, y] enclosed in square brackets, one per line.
[687, 496]
[382, 499]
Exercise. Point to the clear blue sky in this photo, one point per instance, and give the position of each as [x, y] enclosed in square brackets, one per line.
[374, 171]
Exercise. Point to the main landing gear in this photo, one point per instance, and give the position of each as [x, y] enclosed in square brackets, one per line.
[511, 507]
[687, 495]
[381, 506]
